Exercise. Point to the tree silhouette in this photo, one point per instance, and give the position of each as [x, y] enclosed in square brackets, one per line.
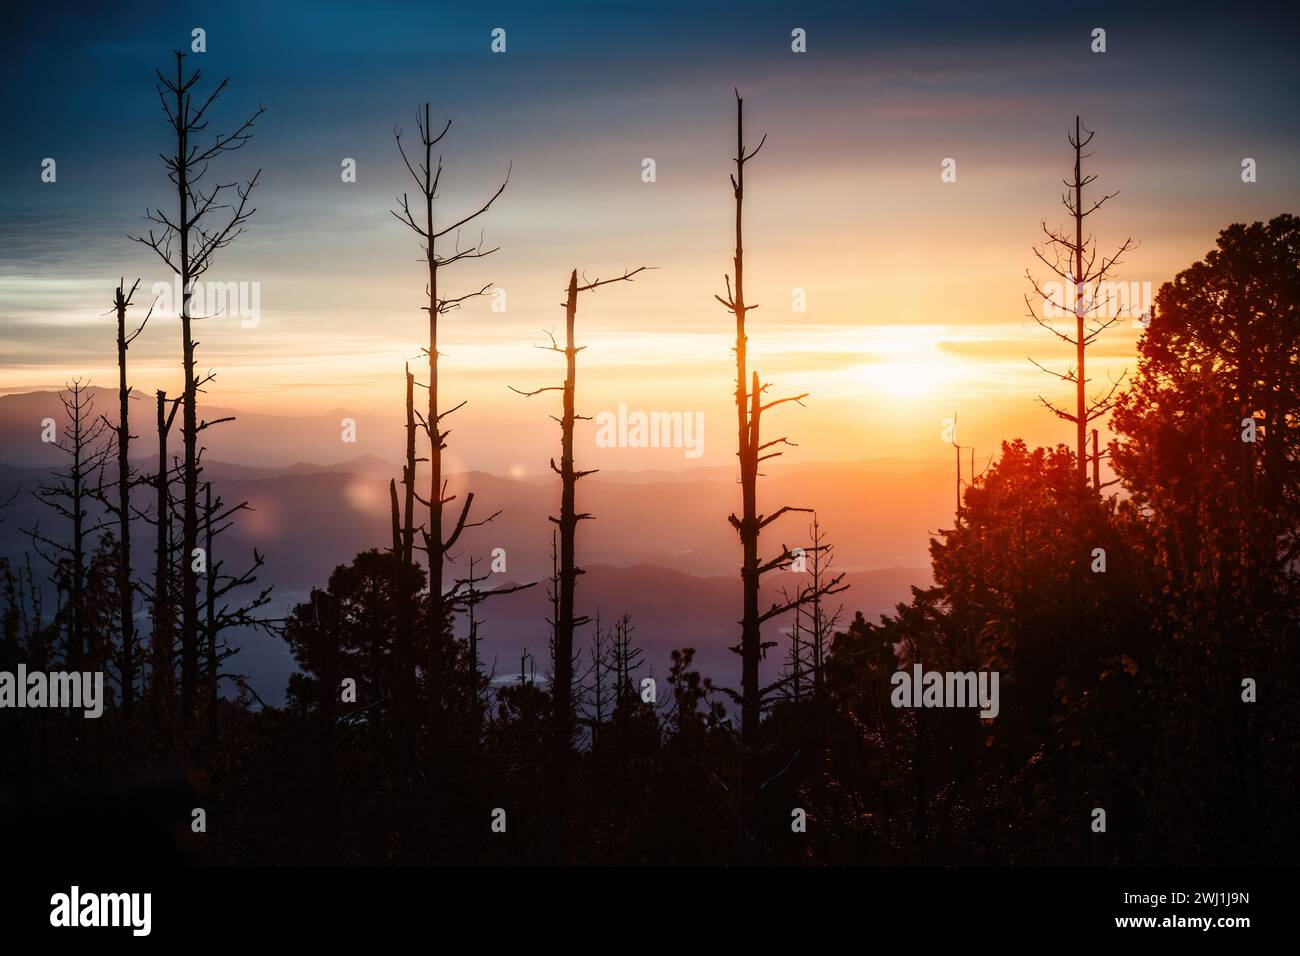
[1217, 368]
[796, 657]
[208, 218]
[1129, 632]
[1224, 331]
[435, 545]
[120, 508]
[69, 495]
[821, 558]
[751, 452]
[596, 677]
[626, 659]
[219, 613]
[161, 595]
[468, 598]
[403, 526]
[566, 620]
[1074, 260]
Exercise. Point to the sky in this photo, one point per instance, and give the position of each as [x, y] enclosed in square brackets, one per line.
[914, 286]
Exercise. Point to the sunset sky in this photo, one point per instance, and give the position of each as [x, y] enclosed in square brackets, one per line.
[914, 286]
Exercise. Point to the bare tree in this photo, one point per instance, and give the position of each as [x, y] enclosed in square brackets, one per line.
[957, 450]
[68, 495]
[403, 659]
[752, 451]
[208, 218]
[408, 474]
[566, 619]
[822, 624]
[120, 509]
[796, 663]
[439, 303]
[1096, 462]
[596, 672]
[553, 595]
[811, 634]
[219, 613]
[403, 518]
[1074, 260]
[625, 659]
[469, 597]
[8, 502]
[472, 601]
[163, 611]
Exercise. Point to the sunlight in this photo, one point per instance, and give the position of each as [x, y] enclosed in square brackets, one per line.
[905, 362]
[904, 377]
[366, 496]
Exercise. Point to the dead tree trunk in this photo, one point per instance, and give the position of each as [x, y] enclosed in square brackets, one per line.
[598, 668]
[1075, 262]
[77, 498]
[746, 525]
[403, 562]
[408, 475]
[957, 450]
[1096, 462]
[162, 673]
[122, 509]
[401, 660]
[751, 452]
[210, 610]
[126, 604]
[435, 546]
[189, 437]
[566, 618]
[562, 690]
[206, 221]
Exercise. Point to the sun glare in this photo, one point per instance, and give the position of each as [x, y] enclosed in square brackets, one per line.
[904, 362]
[903, 377]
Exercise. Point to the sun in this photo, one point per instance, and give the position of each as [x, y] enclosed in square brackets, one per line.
[903, 376]
[903, 362]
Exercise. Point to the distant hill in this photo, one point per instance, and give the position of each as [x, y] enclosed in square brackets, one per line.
[671, 609]
[269, 441]
[660, 547]
[878, 513]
